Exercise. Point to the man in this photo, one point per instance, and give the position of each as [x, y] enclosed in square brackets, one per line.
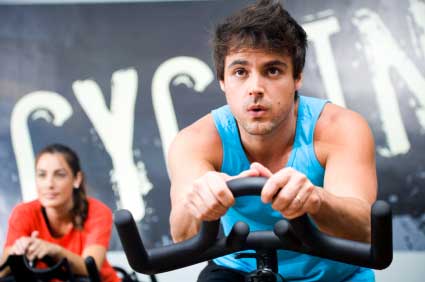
[318, 157]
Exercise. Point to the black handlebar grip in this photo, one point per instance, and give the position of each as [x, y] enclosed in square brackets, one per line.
[246, 186]
[164, 258]
[131, 242]
[377, 255]
[382, 240]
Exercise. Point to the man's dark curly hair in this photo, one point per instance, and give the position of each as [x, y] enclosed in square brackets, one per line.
[264, 25]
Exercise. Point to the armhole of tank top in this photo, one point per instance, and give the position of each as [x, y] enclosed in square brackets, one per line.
[219, 129]
[316, 162]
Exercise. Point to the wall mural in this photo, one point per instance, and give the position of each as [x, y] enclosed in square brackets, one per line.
[117, 81]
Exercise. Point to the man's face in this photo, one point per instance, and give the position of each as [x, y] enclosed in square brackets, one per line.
[259, 88]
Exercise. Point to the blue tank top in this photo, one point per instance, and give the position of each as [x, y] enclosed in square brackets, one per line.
[293, 266]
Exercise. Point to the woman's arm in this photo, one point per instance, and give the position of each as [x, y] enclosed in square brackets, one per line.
[4, 257]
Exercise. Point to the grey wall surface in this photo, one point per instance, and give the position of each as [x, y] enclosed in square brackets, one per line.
[115, 81]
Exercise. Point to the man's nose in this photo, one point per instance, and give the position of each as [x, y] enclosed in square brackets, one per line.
[256, 85]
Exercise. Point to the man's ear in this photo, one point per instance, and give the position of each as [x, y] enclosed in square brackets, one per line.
[222, 85]
[299, 82]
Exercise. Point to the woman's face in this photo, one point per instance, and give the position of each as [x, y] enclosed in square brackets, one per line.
[55, 181]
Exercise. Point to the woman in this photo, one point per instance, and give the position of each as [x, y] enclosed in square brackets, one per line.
[63, 221]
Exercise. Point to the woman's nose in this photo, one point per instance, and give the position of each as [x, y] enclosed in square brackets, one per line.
[49, 182]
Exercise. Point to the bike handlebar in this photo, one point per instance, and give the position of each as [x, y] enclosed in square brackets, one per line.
[298, 235]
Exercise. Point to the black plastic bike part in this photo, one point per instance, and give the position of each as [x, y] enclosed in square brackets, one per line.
[263, 275]
[265, 259]
[153, 261]
[298, 235]
[17, 268]
[21, 270]
[92, 269]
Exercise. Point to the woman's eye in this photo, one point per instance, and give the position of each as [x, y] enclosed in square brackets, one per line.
[61, 174]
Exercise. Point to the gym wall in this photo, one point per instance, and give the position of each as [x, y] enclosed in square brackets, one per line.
[116, 81]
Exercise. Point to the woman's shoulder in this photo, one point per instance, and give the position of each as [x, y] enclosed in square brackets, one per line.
[26, 213]
[97, 206]
[99, 214]
[28, 207]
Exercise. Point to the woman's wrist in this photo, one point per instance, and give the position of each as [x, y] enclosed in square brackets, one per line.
[57, 251]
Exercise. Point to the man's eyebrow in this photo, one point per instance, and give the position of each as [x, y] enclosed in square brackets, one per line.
[276, 63]
[268, 64]
[238, 62]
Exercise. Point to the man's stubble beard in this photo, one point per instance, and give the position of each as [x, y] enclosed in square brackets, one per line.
[258, 127]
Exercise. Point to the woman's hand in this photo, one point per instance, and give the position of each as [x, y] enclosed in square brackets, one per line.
[38, 248]
[20, 246]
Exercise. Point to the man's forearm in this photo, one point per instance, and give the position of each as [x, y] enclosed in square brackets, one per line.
[343, 217]
[182, 224]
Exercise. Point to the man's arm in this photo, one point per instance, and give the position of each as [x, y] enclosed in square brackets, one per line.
[350, 185]
[195, 151]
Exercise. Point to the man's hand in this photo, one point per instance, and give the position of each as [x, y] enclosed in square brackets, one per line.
[290, 192]
[209, 197]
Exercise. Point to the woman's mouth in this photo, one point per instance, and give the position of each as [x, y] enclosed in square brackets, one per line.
[50, 195]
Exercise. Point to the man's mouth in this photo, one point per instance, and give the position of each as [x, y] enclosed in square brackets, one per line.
[256, 110]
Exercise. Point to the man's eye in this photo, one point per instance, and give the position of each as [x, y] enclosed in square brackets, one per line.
[274, 71]
[240, 72]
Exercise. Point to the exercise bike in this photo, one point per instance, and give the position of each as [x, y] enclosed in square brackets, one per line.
[298, 235]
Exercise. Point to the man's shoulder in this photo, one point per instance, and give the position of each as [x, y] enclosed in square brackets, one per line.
[199, 141]
[201, 132]
[336, 122]
[340, 129]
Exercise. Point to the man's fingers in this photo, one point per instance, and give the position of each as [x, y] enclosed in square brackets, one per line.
[273, 185]
[202, 203]
[290, 197]
[220, 191]
[246, 173]
[262, 170]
